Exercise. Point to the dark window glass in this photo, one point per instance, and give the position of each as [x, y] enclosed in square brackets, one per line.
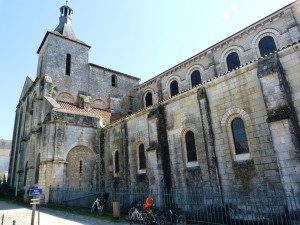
[195, 78]
[114, 81]
[117, 166]
[37, 169]
[25, 176]
[68, 65]
[130, 105]
[190, 146]
[142, 157]
[239, 136]
[80, 166]
[174, 88]
[149, 99]
[233, 61]
[266, 45]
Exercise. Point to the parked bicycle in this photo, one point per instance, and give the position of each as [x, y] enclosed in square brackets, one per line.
[143, 214]
[172, 218]
[99, 204]
[136, 214]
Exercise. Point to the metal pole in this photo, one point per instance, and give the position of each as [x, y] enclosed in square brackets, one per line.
[38, 217]
[2, 219]
[33, 213]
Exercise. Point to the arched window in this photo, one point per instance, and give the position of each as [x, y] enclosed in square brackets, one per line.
[190, 146]
[142, 158]
[114, 80]
[37, 169]
[174, 88]
[68, 65]
[80, 166]
[117, 163]
[233, 61]
[195, 78]
[266, 45]
[239, 136]
[148, 99]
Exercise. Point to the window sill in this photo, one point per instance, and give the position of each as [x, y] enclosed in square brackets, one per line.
[192, 164]
[244, 164]
[242, 157]
[141, 172]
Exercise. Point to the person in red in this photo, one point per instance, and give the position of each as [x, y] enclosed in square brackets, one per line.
[148, 205]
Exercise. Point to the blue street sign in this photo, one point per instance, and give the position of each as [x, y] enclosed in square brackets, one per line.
[35, 191]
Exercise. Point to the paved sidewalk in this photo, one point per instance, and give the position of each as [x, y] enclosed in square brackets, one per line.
[17, 212]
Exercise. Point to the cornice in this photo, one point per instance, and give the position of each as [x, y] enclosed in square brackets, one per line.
[211, 82]
[250, 29]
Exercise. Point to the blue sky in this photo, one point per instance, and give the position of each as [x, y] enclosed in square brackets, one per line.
[139, 37]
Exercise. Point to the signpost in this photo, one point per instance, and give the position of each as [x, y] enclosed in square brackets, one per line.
[34, 192]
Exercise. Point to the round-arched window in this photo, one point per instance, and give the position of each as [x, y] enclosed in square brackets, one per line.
[266, 45]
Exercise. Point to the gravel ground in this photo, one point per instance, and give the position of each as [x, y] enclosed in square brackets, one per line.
[22, 216]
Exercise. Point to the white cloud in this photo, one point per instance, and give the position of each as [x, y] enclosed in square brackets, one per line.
[226, 16]
[234, 6]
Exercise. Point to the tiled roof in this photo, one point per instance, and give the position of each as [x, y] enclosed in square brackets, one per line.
[108, 117]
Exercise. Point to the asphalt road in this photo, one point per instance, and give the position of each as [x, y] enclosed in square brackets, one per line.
[22, 216]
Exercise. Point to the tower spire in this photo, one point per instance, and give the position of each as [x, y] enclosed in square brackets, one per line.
[65, 21]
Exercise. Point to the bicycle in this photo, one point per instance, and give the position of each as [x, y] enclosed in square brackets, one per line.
[99, 204]
[136, 214]
[171, 218]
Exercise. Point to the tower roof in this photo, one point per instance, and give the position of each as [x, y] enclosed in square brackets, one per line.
[64, 28]
[65, 22]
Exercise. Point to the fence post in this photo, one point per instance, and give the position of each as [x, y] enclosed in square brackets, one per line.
[2, 221]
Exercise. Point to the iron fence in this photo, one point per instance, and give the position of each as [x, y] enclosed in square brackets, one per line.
[205, 205]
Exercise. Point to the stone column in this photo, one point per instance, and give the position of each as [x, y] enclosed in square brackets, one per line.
[208, 135]
[282, 120]
[154, 171]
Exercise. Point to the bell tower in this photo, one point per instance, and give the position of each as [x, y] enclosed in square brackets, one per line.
[65, 22]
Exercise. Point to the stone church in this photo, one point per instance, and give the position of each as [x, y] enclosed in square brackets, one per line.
[226, 116]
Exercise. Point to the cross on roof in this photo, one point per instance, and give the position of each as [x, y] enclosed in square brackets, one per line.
[67, 2]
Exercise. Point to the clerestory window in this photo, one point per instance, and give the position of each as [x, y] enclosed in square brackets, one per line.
[174, 90]
[233, 61]
[148, 99]
[266, 45]
[195, 78]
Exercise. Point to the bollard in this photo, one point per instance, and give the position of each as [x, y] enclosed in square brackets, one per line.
[14, 222]
[2, 221]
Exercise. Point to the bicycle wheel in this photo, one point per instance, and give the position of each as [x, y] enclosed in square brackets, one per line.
[93, 208]
[151, 219]
[161, 220]
[181, 220]
[133, 217]
[100, 209]
[168, 219]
